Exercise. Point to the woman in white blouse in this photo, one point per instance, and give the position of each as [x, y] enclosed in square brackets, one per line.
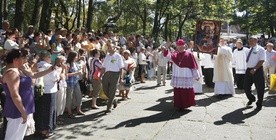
[45, 106]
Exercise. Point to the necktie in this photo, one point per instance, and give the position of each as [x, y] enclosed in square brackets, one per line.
[247, 58]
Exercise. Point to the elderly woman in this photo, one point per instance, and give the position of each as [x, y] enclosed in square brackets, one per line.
[128, 75]
[17, 84]
[45, 109]
[61, 95]
[142, 64]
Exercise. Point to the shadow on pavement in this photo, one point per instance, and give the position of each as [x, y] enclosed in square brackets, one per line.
[213, 99]
[207, 89]
[270, 101]
[167, 112]
[236, 117]
[78, 128]
[145, 88]
[169, 91]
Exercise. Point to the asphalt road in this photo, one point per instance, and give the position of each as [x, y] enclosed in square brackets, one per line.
[150, 115]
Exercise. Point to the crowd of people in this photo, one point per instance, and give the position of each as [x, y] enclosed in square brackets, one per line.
[44, 75]
[59, 68]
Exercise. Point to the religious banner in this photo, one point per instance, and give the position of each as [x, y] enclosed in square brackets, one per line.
[207, 36]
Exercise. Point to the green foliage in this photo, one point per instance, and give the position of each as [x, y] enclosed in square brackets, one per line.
[137, 16]
[259, 16]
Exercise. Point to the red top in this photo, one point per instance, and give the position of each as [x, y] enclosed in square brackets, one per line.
[183, 59]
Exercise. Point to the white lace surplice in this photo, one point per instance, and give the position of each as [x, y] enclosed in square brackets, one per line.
[183, 77]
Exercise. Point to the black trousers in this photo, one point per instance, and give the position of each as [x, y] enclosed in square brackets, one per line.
[234, 75]
[3, 99]
[83, 87]
[259, 82]
[208, 77]
[45, 113]
[239, 80]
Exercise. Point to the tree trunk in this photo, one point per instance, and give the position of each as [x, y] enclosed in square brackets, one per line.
[1, 12]
[45, 15]
[179, 33]
[79, 13]
[36, 13]
[170, 31]
[83, 13]
[144, 20]
[65, 11]
[155, 29]
[59, 20]
[5, 9]
[166, 32]
[19, 14]
[90, 15]
[271, 28]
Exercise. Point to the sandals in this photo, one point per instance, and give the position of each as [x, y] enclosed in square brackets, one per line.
[94, 107]
[80, 113]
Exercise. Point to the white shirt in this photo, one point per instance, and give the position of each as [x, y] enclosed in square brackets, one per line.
[269, 61]
[161, 60]
[10, 44]
[150, 57]
[208, 61]
[123, 41]
[239, 60]
[142, 59]
[98, 46]
[257, 55]
[113, 62]
[77, 47]
[129, 62]
[50, 79]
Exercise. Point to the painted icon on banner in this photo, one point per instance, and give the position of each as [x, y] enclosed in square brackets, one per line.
[207, 36]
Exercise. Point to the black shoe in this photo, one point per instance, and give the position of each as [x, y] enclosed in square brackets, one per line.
[258, 108]
[115, 103]
[250, 102]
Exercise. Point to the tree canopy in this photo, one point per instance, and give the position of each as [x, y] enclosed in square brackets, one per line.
[167, 18]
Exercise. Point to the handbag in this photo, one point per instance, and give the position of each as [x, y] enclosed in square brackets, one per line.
[102, 95]
[273, 82]
[97, 74]
[39, 88]
[127, 80]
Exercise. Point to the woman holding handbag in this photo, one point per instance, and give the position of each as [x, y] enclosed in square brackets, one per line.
[94, 75]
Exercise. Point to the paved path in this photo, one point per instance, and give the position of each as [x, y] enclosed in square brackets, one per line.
[150, 115]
